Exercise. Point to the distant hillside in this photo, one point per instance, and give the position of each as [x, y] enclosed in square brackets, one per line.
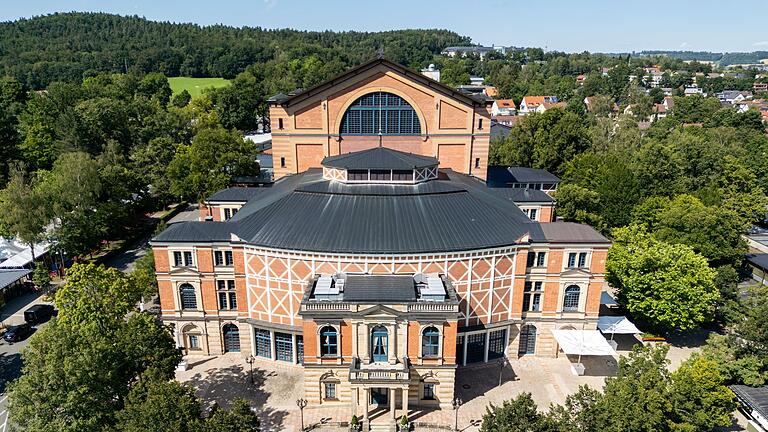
[723, 59]
[67, 46]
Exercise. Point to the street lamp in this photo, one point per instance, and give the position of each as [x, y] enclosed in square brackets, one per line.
[250, 360]
[502, 363]
[456, 403]
[301, 403]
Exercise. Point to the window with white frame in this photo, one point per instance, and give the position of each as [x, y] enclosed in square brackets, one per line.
[536, 259]
[223, 258]
[577, 259]
[182, 259]
[532, 294]
[571, 298]
[329, 342]
[227, 296]
[430, 342]
[229, 212]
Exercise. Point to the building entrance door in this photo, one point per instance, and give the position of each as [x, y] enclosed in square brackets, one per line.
[231, 338]
[379, 396]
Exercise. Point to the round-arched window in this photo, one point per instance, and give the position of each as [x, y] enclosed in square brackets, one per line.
[329, 341]
[571, 298]
[380, 113]
[188, 297]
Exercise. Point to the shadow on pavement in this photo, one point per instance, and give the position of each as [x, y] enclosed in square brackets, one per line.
[16, 304]
[232, 382]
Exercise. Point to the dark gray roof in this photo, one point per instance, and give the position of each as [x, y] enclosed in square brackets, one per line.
[235, 194]
[519, 195]
[755, 397]
[379, 288]
[379, 158]
[8, 277]
[759, 260]
[499, 130]
[529, 175]
[209, 231]
[501, 175]
[568, 232]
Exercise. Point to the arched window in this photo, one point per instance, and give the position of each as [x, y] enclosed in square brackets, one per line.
[571, 298]
[430, 342]
[329, 341]
[380, 113]
[188, 297]
[231, 338]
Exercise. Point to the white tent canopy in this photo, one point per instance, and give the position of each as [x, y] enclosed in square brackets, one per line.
[18, 255]
[616, 324]
[607, 299]
[583, 342]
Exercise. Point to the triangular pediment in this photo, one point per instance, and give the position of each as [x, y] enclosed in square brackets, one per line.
[182, 271]
[380, 311]
[575, 272]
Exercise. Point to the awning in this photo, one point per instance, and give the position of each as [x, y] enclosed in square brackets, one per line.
[24, 257]
[607, 299]
[8, 277]
[583, 342]
[616, 324]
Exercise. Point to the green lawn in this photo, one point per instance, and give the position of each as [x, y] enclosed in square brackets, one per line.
[195, 86]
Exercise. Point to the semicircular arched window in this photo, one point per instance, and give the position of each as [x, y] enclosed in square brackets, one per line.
[430, 342]
[380, 113]
[571, 298]
[188, 296]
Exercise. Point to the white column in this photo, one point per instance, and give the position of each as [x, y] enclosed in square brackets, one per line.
[405, 401]
[354, 400]
[272, 344]
[367, 394]
[464, 358]
[295, 349]
[392, 403]
[392, 344]
[355, 341]
[487, 340]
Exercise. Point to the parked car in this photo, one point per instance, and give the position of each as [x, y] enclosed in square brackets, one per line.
[18, 333]
[38, 313]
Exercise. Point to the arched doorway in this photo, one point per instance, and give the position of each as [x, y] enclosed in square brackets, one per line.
[192, 338]
[527, 340]
[379, 344]
[231, 336]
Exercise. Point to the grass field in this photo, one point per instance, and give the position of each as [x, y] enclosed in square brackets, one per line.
[195, 86]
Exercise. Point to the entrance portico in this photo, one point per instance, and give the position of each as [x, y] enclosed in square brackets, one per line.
[366, 397]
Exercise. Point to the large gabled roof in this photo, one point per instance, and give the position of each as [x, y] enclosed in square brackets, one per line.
[379, 158]
[298, 96]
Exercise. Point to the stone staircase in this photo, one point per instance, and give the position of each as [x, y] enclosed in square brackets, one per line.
[379, 426]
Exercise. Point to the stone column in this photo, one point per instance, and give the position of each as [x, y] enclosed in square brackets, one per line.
[295, 349]
[487, 348]
[392, 344]
[367, 394]
[355, 337]
[405, 401]
[272, 346]
[354, 401]
[392, 403]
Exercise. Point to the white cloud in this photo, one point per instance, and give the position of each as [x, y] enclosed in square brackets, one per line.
[760, 43]
[684, 44]
[269, 4]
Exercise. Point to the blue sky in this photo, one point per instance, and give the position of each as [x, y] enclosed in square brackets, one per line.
[566, 25]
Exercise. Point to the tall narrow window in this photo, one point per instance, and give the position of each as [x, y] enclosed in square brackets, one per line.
[541, 259]
[430, 342]
[279, 123]
[188, 259]
[477, 162]
[188, 296]
[177, 262]
[531, 259]
[218, 258]
[429, 391]
[582, 259]
[282, 162]
[227, 213]
[227, 296]
[480, 124]
[572, 260]
[329, 342]
[532, 214]
[228, 258]
[532, 296]
[330, 390]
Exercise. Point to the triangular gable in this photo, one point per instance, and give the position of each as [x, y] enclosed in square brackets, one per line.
[380, 310]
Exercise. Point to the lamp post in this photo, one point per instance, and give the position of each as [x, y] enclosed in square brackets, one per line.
[502, 363]
[250, 360]
[456, 403]
[301, 403]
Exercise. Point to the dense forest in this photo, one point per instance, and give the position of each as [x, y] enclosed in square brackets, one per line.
[723, 59]
[72, 46]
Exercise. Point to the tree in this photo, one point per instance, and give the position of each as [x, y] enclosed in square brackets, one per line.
[40, 276]
[579, 204]
[699, 399]
[239, 418]
[637, 398]
[23, 209]
[240, 105]
[78, 369]
[669, 286]
[96, 295]
[210, 162]
[161, 406]
[514, 415]
[181, 99]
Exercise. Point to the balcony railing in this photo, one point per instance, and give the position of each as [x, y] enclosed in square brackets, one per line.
[326, 306]
[383, 374]
[432, 307]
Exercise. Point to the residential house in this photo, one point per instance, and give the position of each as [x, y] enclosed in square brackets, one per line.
[531, 104]
[503, 107]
